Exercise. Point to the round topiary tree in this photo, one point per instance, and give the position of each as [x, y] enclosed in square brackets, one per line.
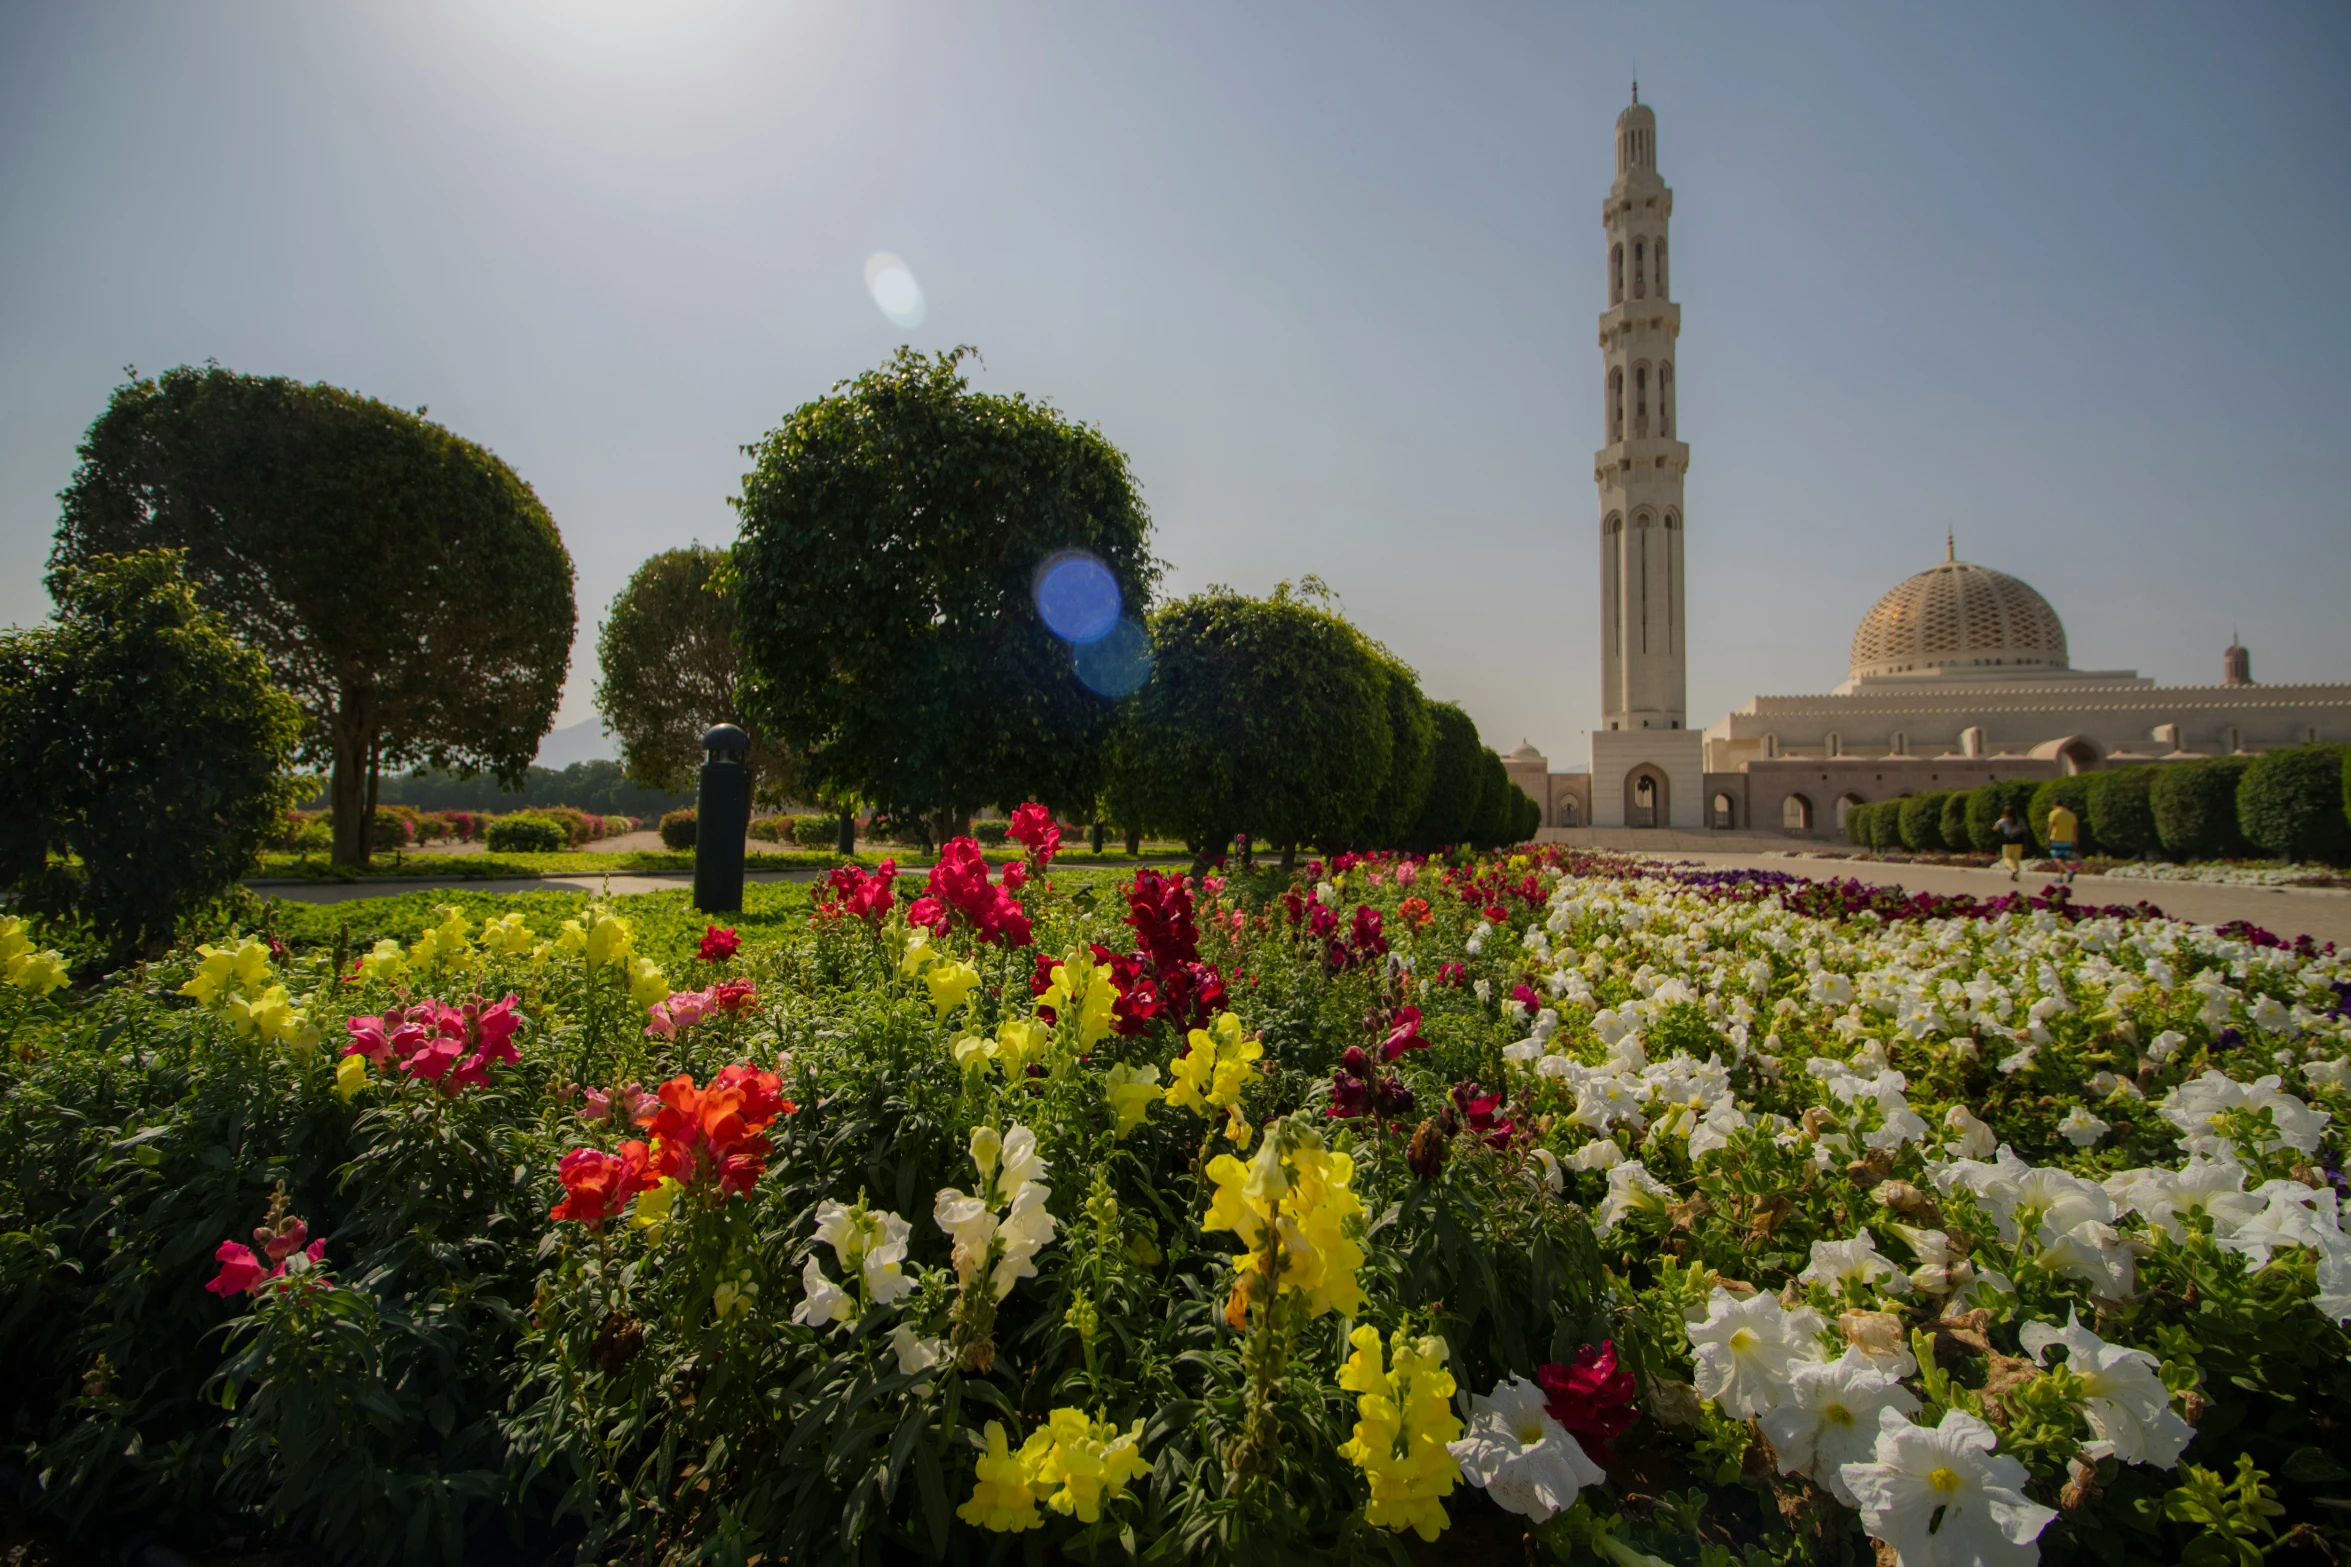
[883, 585]
[1953, 822]
[1264, 716]
[1885, 824]
[146, 743]
[2289, 804]
[1456, 777]
[667, 672]
[2121, 815]
[404, 585]
[1857, 828]
[1411, 758]
[1985, 805]
[2074, 794]
[1496, 824]
[1921, 822]
[2195, 808]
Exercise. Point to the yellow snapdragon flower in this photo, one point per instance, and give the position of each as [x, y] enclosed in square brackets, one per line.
[952, 981]
[22, 966]
[509, 936]
[1406, 1419]
[1082, 991]
[1131, 1090]
[1295, 1198]
[1000, 1496]
[647, 984]
[225, 971]
[350, 1077]
[599, 936]
[1020, 1042]
[1216, 1065]
[444, 946]
[919, 951]
[386, 964]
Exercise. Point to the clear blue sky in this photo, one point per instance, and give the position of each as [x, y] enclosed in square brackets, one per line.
[2069, 279]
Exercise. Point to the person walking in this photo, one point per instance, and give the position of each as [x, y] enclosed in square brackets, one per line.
[2064, 830]
[2014, 834]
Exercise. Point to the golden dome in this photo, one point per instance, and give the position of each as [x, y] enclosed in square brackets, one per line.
[1960, 622]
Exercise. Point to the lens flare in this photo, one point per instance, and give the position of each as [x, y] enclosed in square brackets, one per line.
[1076, 596]
[1118, 663]
[891, 283]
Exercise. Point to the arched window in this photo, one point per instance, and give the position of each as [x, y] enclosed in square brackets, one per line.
[1641, 527]
[1834, 745]
[1771, 748]
[1571, 812]
[1616, 404]
[1640, 396]
[1640, 269]
[1796, 814]
[1616, 275]
[1845, 804]
[1664, 381]
[1661, 266]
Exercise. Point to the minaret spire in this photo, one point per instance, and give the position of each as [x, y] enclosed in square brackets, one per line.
[1950, 545]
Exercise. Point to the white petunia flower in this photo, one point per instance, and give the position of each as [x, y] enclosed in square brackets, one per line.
[1974, 1139]
[2165, 1045]
[2196, 1106]
[2081, 1128]
[1746, 1350]
[2126, 1402]
[1525, 1460]
[1838, 1263]
[1830, 1418]
[1942, 1498]
[1631, 1189]
[1601, 1153]
[1547, 1173]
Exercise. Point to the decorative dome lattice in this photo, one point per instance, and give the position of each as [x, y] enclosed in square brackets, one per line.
[1959, 620]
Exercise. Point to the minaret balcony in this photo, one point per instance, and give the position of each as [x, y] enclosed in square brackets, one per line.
[1660, 316]
[1642, 457]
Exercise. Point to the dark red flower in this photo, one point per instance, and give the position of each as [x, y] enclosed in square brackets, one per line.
[735, 997]
[1032, 827]
[1482, 1113]
[848, 892]
[240, 1273]
[1592, 1398]
[1404, 1034]
[718, 944]
[1451, 974]
[1497, 913]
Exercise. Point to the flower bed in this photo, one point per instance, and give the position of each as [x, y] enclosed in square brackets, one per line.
[1546, 1205]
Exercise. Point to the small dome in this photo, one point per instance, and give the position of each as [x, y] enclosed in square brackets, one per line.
[1960, 622]
[1526, 752]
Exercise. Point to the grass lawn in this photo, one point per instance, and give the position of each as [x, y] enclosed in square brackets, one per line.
[492, 867]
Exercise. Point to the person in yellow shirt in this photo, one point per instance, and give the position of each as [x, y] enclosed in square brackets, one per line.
[2064, 835]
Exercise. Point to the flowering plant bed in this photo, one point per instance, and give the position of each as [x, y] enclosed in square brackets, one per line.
[1539, 1206]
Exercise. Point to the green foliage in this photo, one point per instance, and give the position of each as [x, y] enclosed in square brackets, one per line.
[808, 832]
[144, 742]
[891, 532]
[598, 786]
[404, 585]
[2074, 794]
[1885, 823]
[668, 671]
[1264, 716]
[1412, 727]
[1498, 816]
[2290, 804]
[1920, 821]
[2195, 808]
[1457, 777]
[677, 830]
[1857, 828]
[2122, 812]
[2232, 1517]
[525, 833]
[1986, 803]
[1953, 822]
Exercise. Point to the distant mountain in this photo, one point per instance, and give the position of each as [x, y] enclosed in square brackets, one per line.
[584, 741]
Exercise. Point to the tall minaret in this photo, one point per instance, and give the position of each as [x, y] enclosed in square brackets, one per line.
[1639, 471]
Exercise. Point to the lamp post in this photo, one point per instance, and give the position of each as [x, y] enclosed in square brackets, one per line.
[722, 818]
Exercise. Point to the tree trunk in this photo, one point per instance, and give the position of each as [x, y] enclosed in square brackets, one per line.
[847, 842]
[348, 793]
[1289, 858]
[1134, 842]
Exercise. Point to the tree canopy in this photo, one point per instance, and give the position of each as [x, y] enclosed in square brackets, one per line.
[403, 584]
[1412, 731]
[890, 535]
[1264, 716]
[1456, 778]
[669, 670]
[142, 740]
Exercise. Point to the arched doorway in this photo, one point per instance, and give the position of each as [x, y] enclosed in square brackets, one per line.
[2078, 756]
[1726, 813]
[1647, 801]
[1796, 814]
[1845, 804]
[1571, 812]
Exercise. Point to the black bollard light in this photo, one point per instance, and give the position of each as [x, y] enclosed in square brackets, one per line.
[722, 818]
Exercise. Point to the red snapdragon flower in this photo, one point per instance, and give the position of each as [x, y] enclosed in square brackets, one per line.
[1482, 1112]
[1033, 828]
[597, 1185]
[241, 1272]
[1404, 1034]
[1415, 911]
[1496, 913]
[735, 997]
[711, 1135]
[1452, 974]
[1592, 1398]
[1359, 1087]
[848, 892]
[959, 888]
[718, 944]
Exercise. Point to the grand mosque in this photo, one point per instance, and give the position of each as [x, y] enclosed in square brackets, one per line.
[1958, 676]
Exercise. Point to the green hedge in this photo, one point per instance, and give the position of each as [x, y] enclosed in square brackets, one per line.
[1885, 824]
[1954, 821]
[1987, 802]
[2121, 815]
[677, 830]
[1857, 825]
[2290, 804]
[2074, 792]
[1921, 822]
[524, 833]
[2195, 808]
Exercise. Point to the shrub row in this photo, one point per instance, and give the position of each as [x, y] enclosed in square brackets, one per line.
[2292, 805]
